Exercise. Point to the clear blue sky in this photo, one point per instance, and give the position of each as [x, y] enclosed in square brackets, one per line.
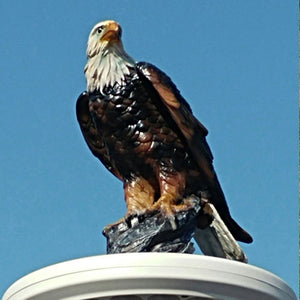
[236, 63]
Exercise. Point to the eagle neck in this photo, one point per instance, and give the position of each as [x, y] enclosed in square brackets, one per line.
[108, 67]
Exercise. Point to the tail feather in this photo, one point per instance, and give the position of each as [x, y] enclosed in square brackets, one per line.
[237, 231]
[216, 239]
[219, 201]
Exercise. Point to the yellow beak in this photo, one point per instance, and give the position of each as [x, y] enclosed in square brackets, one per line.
[112, 32]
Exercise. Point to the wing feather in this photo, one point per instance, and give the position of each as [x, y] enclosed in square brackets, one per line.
[193, 130]
[194, 134]
[91, 135]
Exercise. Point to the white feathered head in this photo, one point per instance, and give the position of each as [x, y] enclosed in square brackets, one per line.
[108, 63]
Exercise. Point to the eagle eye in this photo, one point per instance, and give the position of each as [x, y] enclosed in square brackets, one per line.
[100, 28]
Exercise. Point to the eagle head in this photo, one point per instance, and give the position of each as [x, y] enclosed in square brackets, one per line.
[108, 63]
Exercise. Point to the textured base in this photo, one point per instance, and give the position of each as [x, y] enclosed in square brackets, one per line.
[156, 233]
[153, 233]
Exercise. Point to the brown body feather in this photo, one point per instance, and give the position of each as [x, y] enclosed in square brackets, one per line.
[144, 132]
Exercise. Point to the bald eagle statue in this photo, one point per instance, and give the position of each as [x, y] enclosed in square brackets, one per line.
[135, 121]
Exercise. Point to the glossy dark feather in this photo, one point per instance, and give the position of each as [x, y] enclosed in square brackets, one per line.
[143, 128]
[91, 135]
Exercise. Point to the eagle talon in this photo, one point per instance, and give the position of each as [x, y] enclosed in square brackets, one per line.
[134, 218]
[168, 209]
[109, 226]
[131, 219]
